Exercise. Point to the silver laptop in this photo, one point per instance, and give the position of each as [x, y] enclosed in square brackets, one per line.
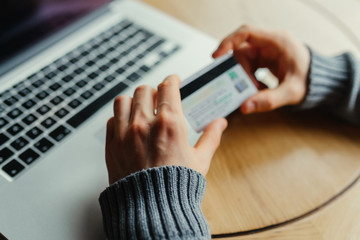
[61, 64]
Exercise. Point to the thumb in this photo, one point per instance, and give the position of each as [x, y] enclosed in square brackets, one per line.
[268, 99]
[210, 139]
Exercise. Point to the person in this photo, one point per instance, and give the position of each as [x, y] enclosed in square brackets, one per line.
[157, 180]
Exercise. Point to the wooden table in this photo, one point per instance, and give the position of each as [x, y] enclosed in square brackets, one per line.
[284, 174]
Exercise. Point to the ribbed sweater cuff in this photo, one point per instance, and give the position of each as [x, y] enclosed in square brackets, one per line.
[157, 203]
[329, 79]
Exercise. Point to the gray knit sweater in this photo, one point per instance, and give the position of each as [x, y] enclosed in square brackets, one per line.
[164, 202]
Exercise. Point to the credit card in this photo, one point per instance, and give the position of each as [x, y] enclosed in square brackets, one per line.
[215, 91]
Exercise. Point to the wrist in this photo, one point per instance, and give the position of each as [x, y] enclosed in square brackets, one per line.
[327, 80]
[165, 199]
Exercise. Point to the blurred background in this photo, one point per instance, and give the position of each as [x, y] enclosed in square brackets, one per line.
[330, 26]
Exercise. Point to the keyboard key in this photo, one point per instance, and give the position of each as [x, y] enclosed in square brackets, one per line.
[120, 70]
[155, 45]
[44, 145]
[55, 86]
[62, 113]
[67, 78]
[19, 143]
[13, 168]
[47, 123]
[38, 83]
[93, 75]
[50, 75]
[3, 139]
[15, 129]
[29, 119]
[5, 154]
[43, 109]
[110, 78]
[85, 53]
[10, 101]
[74, 60]
[130, 63]
[103, 68]
[19, 85]
[3, 122]
[34, 133]
[100, 56]
[29, 156]
[74, 103]
[70, 91]
[56, 100]
[79, 70]
[5, 94]
[59, 133]
[90, 63]
[41, 95]
[24, 92]
[29, 104]
[46, 68]
[86, 95]
[92, 108]
[81, 83]
[63, 67]
[98, 86]
[14, 113]
[144, 68]
[133, 77]
[114, 60]
[140, 56]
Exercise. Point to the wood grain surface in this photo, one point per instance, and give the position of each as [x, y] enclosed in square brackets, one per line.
[285, 174]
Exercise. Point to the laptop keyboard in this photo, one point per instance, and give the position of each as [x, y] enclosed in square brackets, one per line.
[40, 111]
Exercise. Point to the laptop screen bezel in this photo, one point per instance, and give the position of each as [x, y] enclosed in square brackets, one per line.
[43, 44]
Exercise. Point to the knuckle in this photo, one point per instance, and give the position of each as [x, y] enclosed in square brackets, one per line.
[166, 119]
[166, 122]
[139, 113]
[270, 102]
[166, 107]
[139, 128]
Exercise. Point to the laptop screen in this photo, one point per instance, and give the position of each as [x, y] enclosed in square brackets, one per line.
[25, 22]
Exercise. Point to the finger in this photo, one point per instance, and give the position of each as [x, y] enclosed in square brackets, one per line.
[110, 129]
[255, 36]
[268, 99]
[122, 108]
[168, 95]
[210, 139]
[231, 41]
[143, 104]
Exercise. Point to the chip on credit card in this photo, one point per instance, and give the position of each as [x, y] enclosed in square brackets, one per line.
[215, 91]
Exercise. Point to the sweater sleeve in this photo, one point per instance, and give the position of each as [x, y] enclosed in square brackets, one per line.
[157, 203]
[334, 85]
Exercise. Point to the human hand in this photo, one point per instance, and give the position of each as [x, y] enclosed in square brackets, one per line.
[287, 58]
[137, 138]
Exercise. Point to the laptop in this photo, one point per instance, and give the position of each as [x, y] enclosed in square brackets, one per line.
[62, 62]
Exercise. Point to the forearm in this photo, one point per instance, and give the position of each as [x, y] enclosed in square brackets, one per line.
[158, 203]
[334, 84]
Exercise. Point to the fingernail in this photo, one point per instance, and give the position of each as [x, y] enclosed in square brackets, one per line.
[249, 107]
